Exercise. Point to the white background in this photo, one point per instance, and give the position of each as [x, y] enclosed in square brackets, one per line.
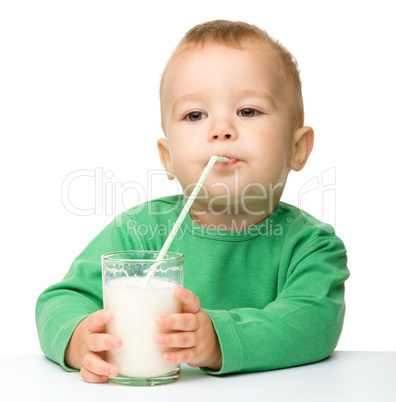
[79, 91]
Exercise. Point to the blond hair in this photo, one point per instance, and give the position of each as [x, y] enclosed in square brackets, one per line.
[235, 34]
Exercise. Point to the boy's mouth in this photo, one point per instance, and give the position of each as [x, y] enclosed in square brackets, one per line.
[229, 163]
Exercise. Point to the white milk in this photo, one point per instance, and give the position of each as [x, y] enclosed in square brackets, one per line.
[134, 310]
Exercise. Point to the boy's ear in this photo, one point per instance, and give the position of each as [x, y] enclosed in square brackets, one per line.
[164, 154]
[303, 140]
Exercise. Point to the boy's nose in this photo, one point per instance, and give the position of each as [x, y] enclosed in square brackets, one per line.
[222, 130]
[222, 136]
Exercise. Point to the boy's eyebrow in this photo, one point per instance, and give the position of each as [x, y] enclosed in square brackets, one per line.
[258, 94]
[247, 92]
[186, 98]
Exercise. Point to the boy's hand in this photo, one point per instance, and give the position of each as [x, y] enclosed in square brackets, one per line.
[198, 342]
[87, 346]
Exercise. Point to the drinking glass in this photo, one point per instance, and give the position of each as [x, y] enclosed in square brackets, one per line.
[134, 306]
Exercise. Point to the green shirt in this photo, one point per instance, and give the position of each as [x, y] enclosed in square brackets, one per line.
[274, 292]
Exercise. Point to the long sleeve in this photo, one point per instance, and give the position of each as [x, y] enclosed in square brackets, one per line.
[302, 325]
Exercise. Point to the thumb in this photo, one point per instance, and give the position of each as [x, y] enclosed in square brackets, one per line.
[190, 302]
[96, 321]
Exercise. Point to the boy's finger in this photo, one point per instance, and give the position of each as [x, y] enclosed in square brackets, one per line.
[178, 322]
[190, 302]
[99, 342]
[88, 376]
[95, 364]
[177, 340]
[179, 357]
[96, 322]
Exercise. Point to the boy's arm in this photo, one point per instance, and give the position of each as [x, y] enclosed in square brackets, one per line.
[301, 326]
[61, 307]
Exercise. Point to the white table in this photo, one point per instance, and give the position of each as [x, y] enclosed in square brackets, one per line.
[344, 376]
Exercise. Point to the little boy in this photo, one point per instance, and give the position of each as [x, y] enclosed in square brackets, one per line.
[263, 282]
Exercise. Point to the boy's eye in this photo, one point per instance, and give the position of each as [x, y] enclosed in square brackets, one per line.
[195, 116]
[247, 112]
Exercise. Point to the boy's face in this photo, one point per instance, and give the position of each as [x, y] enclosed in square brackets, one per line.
[227, 102]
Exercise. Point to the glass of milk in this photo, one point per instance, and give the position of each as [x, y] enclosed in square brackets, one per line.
[135, 307]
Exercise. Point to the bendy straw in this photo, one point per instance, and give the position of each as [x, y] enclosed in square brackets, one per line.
[183, 214]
